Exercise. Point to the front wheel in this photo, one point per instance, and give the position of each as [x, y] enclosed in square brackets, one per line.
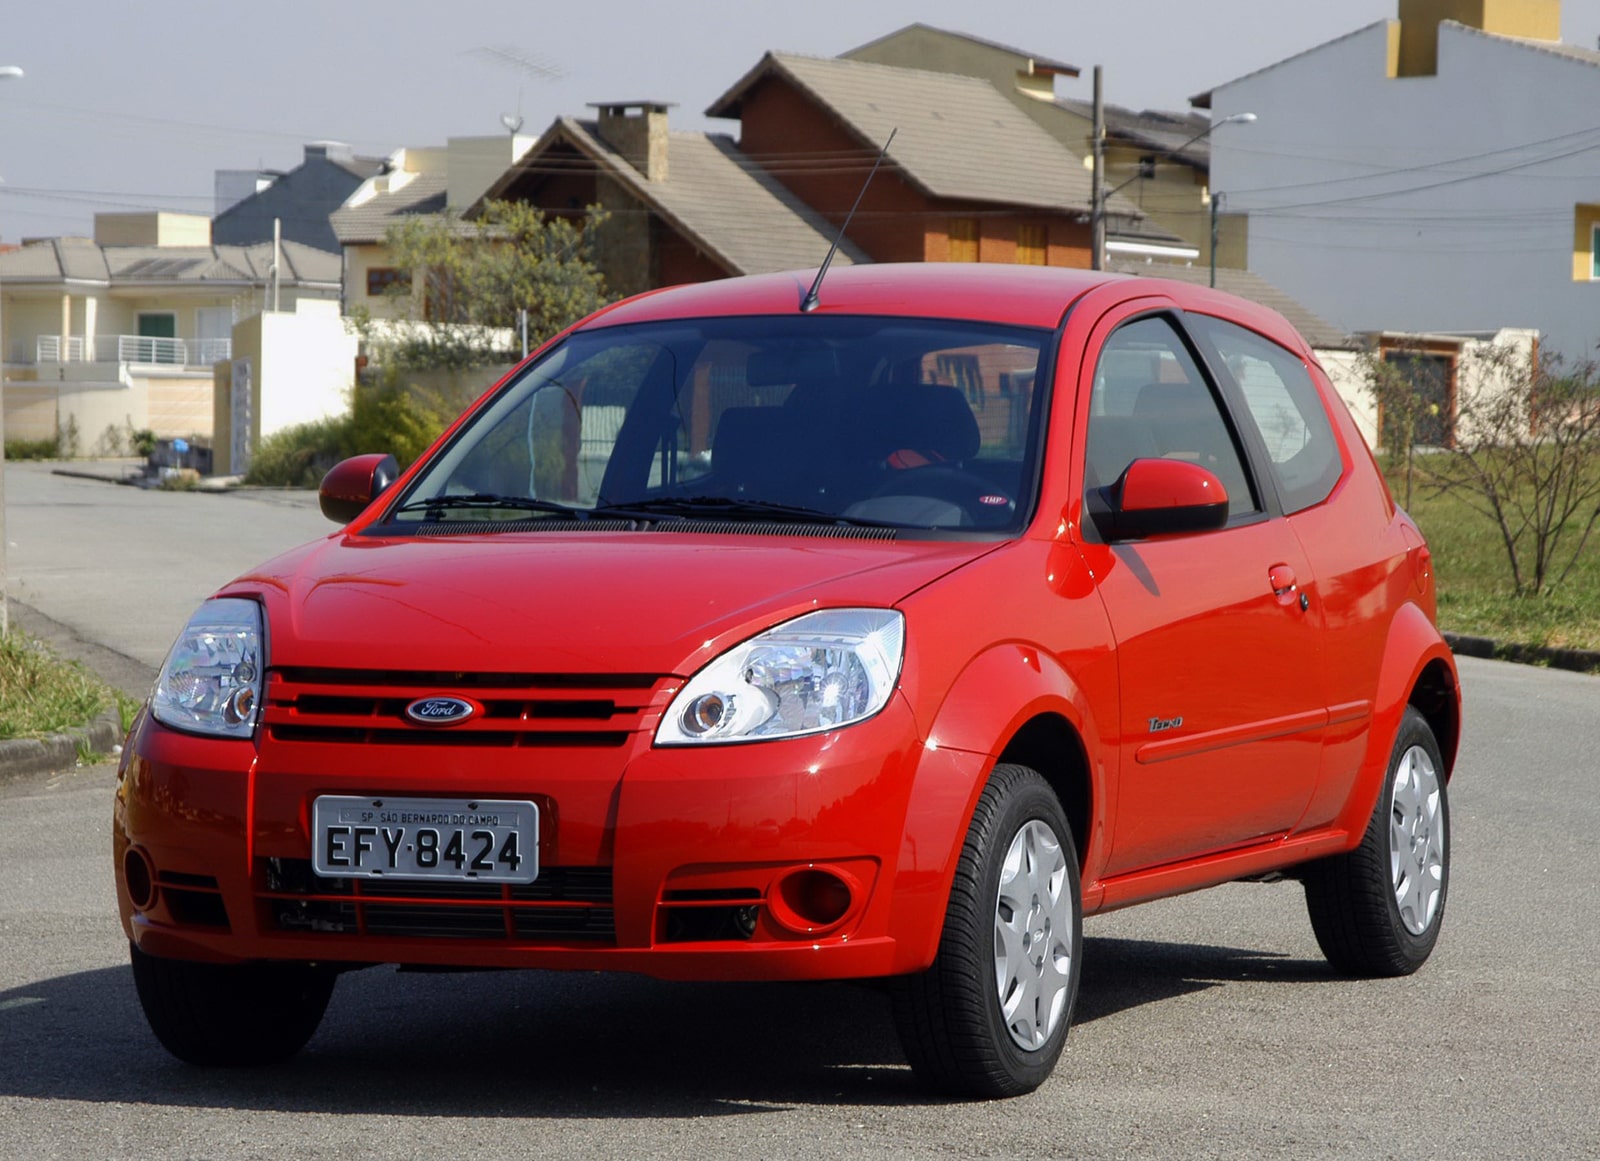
[230, 1014]
[990, 1017]
[1377, 910]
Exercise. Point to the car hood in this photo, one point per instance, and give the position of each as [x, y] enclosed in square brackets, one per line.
[568, 603]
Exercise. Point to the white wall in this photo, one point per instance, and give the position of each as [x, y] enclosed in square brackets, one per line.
[1325, 170]
[307, 365]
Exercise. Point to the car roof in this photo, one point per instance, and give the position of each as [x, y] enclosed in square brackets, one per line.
[1034, 296]
[1021, 295]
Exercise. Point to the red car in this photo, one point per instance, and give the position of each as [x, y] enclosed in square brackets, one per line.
[726, 639]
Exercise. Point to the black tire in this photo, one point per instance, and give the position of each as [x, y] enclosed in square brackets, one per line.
[950, 1017]
[1354, 899]
[230, 1015]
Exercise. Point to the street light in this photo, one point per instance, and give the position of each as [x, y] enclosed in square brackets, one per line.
[7, 73]
[1100, 196]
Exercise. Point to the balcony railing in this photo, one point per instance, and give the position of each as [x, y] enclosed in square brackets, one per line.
[131, 349]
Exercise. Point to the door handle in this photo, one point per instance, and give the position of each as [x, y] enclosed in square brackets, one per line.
[1286, 587]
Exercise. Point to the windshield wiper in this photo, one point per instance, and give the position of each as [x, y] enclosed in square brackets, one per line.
[731, 506]
[435, 506]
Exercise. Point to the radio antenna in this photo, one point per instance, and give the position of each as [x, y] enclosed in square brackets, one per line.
[809, 302]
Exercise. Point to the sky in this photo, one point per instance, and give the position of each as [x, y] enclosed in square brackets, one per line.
[135, 106]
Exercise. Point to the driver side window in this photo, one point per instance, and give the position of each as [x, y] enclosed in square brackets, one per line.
[1150, 401]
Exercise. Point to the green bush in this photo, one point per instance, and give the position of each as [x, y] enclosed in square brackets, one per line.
[384, 416]
[31, 449]
[299, 456]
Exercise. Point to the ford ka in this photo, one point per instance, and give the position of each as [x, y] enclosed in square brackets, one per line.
[736, 635]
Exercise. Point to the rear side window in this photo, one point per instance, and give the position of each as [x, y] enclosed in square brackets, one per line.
[1286, 409]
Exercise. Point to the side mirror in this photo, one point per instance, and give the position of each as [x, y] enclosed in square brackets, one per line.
[1156, 497]
[352, 484]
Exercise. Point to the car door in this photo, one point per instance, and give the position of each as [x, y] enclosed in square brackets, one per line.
[1222, 707]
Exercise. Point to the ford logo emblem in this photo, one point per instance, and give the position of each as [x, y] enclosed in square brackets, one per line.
[441, 711]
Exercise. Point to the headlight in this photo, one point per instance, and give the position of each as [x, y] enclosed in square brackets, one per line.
[211, 680]
[817, 672]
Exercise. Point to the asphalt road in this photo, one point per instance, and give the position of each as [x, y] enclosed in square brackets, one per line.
[1208, 1026]
[122, 568]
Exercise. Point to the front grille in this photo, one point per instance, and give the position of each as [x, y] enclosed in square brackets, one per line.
[368, 707]
[562, 904]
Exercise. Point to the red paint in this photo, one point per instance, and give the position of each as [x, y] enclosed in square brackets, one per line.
[1210, 723]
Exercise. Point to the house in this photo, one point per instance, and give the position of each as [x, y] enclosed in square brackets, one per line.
[298, 202]
[682, 206]
[1432, 174]
[1155, 153]
[413, 182]
[118, 333]
[968, 176]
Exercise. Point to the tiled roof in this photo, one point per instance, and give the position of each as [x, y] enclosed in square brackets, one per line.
[732, 209]
[1040, 63]
[80, 259]
[1317, 331]
[367, 221]
[362, 167]
[956, 137]
[1159, 132]
[1571, 52]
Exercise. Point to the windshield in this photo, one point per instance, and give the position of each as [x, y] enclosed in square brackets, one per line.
[906, 423]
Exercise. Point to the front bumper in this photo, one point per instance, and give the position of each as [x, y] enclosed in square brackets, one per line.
[692, 863]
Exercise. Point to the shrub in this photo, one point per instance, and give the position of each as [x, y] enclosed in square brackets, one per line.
[31, 449]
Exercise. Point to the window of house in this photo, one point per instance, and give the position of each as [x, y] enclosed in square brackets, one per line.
[963, 239]
[381, 278]
[1031, 245]
[1586, 242]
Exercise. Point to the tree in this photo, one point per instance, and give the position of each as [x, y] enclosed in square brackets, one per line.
[472, 279]
[1526, 456]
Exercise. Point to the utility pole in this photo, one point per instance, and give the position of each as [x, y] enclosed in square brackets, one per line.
[1097, 182]
[7, 72]
[1216, 207]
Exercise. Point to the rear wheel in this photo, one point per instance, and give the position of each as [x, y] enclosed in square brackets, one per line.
[230, 1014]
[990, 1017]
[1377, 910]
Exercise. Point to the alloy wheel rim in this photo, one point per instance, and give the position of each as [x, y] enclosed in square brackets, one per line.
[1417, 840]
[1033, 935]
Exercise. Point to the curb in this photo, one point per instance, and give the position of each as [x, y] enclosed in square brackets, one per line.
[22, 756]
[1577, 660]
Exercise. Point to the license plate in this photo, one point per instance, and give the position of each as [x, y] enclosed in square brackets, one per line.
[485, 840]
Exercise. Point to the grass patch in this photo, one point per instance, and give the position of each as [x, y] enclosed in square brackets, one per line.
[1474, 581]
[42, 694]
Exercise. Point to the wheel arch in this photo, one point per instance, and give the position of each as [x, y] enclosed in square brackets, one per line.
[1049, 744]
[1013, 703]
[1437, 697]
[1418, 670]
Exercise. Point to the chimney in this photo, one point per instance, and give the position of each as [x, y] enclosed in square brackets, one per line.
[638, 131]
[331, 150]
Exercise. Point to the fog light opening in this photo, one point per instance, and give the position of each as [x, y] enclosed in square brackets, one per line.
[140, 879]
[812, 900]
